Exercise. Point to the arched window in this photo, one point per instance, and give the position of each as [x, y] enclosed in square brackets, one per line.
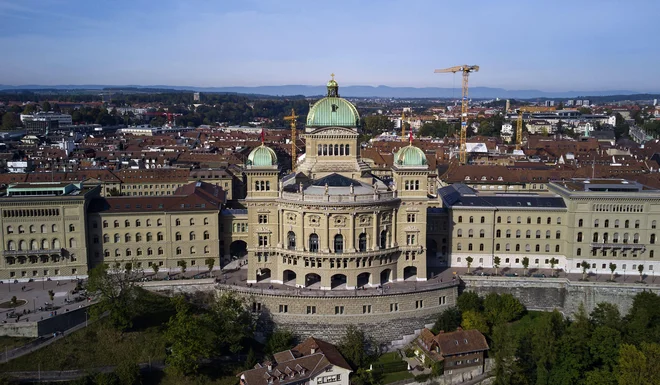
[508, 219]
[177, 236]
[54, 228]
[547, 248]
[549, 221]
[517, 233]
[527, 248]
[558, 235]
[528, 234]
[72, 243]
[339, 243]
[471, 219]
[106, 238]
[481, 247]
[177, 222]
[578, 252]
[32, 229]
[482, 233]
[595, 238]
[43, 229]
[325, 149]
[291, 240]
[178, 251]
[652, 240]
[207, 235]
[138, 223]
[538, 234]
[193, 250]
[538, 248]
[498, 233]
[383, 239]
[206, 250]
[529, 220]
[499, 219]
[519, 220]
[607, 223]
[206, 221]
[256, 185]
[191, 236]
[56, 244]
[313, 242]
[517, 246]
[507, 247]
[138, 252]
[348, 152]
[159, 236]
[127, 237]
[596, 223]
[459, 233]
[636, 238]
[556, 248]
[362, 242]
[637, 224]
[605, 237]
[149, 237]
[579, 237]
[336, 149]
[470, 233]
[580, 222]
[320, 150]
[508, 233]
[45, 245]
[341, 149]
[117, 238]
[160, 251]
[626, 224]
[117, 253]
[138, 237]
[128, 252]
[150, 251]
[547, 234]
[127, 223]
[653, 224]
[460, 219]
[469, 246]
[538, 220]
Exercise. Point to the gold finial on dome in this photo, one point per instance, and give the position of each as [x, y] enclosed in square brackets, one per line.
[333, 76]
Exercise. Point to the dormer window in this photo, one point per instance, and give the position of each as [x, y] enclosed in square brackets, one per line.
[467, 177]
[483, 178]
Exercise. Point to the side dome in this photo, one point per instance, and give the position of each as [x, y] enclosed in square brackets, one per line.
[333, 111]
[262, 156]
[410, 156]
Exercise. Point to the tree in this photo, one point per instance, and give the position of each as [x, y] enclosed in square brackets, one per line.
[10, 121]
[189, 338]
[496, 263]
[374, 125]
[606, 314]
[584, 265]
[155, 268]
[469, 301]
[640, 268]
[45, 106]
[182, 264]
[356, 348]
[14, 301]
[366, 377]
[553, 262]
[117, 293]
[469, 263]
[210, 262]
[448, 321]
[233, 323]
[502, 308]
[474, 320]
[612, 270]
[279, 341]
[437, 129]
[29, 109]
[51, 295]
[128, 372]
[128, 266]
[525, 263]
[251, 359]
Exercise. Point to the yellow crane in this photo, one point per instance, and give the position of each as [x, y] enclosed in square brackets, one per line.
[466, 70]
[403, 126]
[519, 126]
[293, 118]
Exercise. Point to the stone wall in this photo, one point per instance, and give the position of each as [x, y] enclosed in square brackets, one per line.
[415, 311]
[18, 329]
[558, 293]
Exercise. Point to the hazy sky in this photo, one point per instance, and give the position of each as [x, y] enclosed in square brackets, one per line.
[552, 45]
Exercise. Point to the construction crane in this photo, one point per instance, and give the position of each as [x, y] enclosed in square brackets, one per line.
[466, 70]
[293, 118]
[403, 126]
[519, 126]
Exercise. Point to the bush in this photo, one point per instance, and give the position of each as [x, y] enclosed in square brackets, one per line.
[410, 352]
[422, 377]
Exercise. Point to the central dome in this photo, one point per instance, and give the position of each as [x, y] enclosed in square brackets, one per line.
[333, 111]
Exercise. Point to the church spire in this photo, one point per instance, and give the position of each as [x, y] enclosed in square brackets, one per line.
[333, 87]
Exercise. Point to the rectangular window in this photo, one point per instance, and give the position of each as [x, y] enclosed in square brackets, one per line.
[366, 309]
[394, 307]
[339, 310]
[284, 308]
[311, 309]
[419, 304]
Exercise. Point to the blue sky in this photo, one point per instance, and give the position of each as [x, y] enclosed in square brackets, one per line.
[528, 44]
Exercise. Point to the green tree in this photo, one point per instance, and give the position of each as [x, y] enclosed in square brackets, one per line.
[632, 366]
[612, 270]
[600, 376]
[155, 268]
[606, 314]
[356, 348]
[604, 346]
[496, 263]
[374, 125]
[251, 359]
[469, 261]
[29, 109]
[362, 376]
[233, 322]
[640, 268]
[502, 308]
[128, 266]
[469, 301]
[437, 129]
[553, 262]
[117, 293]
[448, 321]
[45, 106]
[128, 372]
[584, 265]
[642, 323]
[182, 264]
[210, 262]
[525, 263]
[279, 341]
[189, 337]
[14, 301]
[475, 320]
[51, 295]
[574, 357]
[10, 121]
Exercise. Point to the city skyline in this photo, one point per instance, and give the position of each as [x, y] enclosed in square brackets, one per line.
[587, 46]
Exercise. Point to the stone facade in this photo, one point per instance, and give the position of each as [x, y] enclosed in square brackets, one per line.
[384, 317]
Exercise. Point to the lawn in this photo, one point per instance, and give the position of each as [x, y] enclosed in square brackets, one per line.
[388, 362]
[13, 342]
[99, 345]
[397, 376]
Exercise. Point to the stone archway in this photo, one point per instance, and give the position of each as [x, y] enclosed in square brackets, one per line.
[289, 277]
[385, 276]
[410, 273]
[338, 281]
[238, 249]
[263, 275]
[313, 280]
[363, 279]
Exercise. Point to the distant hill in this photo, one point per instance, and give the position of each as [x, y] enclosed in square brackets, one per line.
[347, 91]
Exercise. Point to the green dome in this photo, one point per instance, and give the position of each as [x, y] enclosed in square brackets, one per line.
[262, 156]
[333, 111]
[410, 156]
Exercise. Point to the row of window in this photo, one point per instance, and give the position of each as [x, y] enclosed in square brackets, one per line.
[261, 185]
[612, 253]
[337, 149]
[624, 266]
[626, 223]
[35, 245]
[498, 234]
[366, 309]
[35, 273]
[149, 237]
[150, 251]
[33, 229]
[615, 238]
[338, 241]
[507, 247]
[618, 208]
[411, 185]
[28, 213]
[508, 220]
[138, 223]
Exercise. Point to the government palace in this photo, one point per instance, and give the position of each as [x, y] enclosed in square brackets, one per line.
[332, 224]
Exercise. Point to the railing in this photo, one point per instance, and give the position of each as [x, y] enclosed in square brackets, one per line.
[624, 246]
[376, 197]
[345, 254]
[32, 252]
[388, 289]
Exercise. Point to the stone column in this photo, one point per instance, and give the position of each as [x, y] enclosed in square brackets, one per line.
[326, 239]
[301, 245]
[280, 220]
[394, 233]
[376, 238]
[351, 245]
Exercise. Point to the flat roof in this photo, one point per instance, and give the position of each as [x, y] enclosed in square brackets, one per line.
[603, 185]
